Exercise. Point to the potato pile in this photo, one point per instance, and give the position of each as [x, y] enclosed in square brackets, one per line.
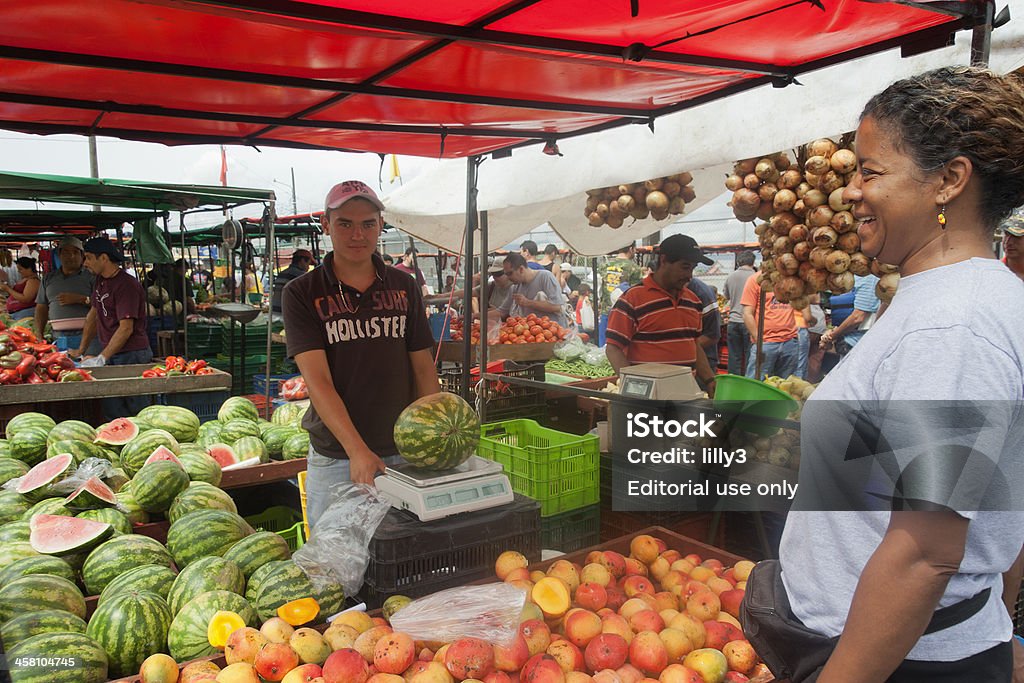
[809, 236]
[658, 198]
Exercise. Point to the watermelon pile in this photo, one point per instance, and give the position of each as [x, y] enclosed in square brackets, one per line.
[60, 541]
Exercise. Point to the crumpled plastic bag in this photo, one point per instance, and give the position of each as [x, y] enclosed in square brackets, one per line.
[90, 467]
[339, 547]
[570, 349]
[595, 355]
[489, 612]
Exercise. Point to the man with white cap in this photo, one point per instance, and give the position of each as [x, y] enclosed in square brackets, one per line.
[358, 331]
[1013, 243]
[63, 298]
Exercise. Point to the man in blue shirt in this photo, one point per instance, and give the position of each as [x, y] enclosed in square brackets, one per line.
[865, 308]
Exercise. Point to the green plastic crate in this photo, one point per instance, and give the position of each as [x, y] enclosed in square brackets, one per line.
[559, 470]
[284, 521]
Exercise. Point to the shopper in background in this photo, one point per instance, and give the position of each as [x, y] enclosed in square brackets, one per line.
[585, 318]
[737, 335]
[63, 298]
[1013, 244]
[851, 330]
[804, 321]
[550, 262]
[21, 298]
[388, 259]
[815, 354]
[529, 251]
[711, 320]
[408, 266]
[940, 164]
[533, 291]
[618, 274]
[780, 348]
[302, 260]
[359, 334]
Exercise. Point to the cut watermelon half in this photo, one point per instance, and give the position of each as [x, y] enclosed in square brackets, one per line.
[164, 453]
[35, 484]
[59, 535]
[91, 495]
[117, 432]
[224, 455]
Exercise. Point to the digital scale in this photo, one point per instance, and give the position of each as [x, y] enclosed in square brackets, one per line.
[659, 381]
[476, 484]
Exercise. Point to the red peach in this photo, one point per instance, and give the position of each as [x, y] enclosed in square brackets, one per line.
[717, 634]
[542, 668]
[692, 627]
[635, 585]
[591, 595]
[740, 655]
[644, 548]
[629, 674]
[509, 561]
[346, 666]
[469, 658]
[394, 653]
[618, 625]
[731, 600]
[647, 620]
[614, 563]
[665, 600]
[312, 672]
[677, 673]
[595, 573]
[243, 644]
[616, 598]
[275, 660]
[742, 569]
[659, 568]
[662, 546]
[718, 585]
[607, 676]
[578, 677]
[714, 565]
[671, 555]
[518, 574]
[677, 644]
[581, 627]
[694, 557]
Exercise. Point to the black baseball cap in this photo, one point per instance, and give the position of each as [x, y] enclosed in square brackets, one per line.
[683, 248]
[102, 245]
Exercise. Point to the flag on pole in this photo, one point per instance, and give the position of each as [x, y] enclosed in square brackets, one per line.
[223, 167]
[395, 173]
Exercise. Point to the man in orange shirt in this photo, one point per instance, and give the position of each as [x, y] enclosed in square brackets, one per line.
[660, 319]
[780, 348]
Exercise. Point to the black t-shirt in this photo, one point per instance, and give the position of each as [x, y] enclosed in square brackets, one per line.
[282, 279]
[367, 337]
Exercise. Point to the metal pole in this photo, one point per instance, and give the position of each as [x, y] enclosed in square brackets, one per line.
[981, 37]
[760, 333]
[484, 284]
[595, 302]
[295, 200]
[174, 317]
[184, 288]
[268, 220]
[471, 223]
[94, 164]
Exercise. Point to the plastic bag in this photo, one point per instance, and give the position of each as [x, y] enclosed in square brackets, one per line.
[90, 467]
[490, 612]
[595, 355]
[338, 550]
[570, 349]
[587, 315]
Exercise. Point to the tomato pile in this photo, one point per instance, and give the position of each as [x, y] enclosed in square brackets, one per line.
[176, 365]
[294, 389]
[24, 360]
[516, 330]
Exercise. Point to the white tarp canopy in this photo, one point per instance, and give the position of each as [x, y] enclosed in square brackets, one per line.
[530, 188]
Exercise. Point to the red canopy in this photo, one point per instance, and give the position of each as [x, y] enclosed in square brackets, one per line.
[445, 78]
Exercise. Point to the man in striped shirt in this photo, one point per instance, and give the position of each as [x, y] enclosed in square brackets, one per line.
[660, 320]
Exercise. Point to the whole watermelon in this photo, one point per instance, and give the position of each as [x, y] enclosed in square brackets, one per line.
[290, 414]
[204, 532]
[157, 485]
[18, 530]
[204, 575]
[29, 420]
[13, 505]
[12, 552]
[238, 408]
[296, 447]
[187, 638]
[200, 496]
[251, 447]
[181, 422]
[201, 467]
[31, 624]
[114, 518]
[55, 648]
[5, 449]
[252, 586]
[237, 429]
[126, 501]
[37, 564]
[275, 437]
[80, 449]
[138, 450]
[152, 578]
[11, 468]
[130, 627]
[116, 556]
[285, 583]
[49, 506]
[40, 591]
[437, 432]
[71, 430]
[256, 550]
[29, 445]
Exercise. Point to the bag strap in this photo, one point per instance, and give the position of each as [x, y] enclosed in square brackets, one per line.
[958, 613]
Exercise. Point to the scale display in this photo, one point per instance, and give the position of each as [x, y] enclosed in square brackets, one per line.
[639, 387]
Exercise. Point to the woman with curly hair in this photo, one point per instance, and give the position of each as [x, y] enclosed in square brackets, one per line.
[940, 162]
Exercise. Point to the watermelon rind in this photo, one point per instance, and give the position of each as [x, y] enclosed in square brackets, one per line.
[204, 532]
[17, 530]
[154, 578]
[237, 429]
[256, 550]
[114, 518]
[201, 467]
[71, 430]
[29, 445]
[130, 627]
[296, 446]
[437, 432]
[285, 583]
[10, 469]
[200, 496]
[116, 556]
[23, 421]
[252, 586]
[204, 575]
[38, 483]
[14, 551]
[132, 510]
[187, 638]
[117, 432]
[163, 453]
[181, 422]
[157, 484]
[40, 591]
[238, 407]
[61, 535]
[49, 506]
[56, 649]
[251, 447]
[137, 451]
[12, 505]
[25, 626]
[39, 564]
[92, 495]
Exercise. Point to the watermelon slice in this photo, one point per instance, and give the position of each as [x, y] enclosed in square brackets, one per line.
[164, 453]
[117, 432]
[92, 495]
[224, 455]
[35, 485]
[59, 535]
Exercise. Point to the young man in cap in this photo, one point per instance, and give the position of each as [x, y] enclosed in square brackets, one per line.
[1013, 244]
[660, 319]
[63, 298]
[302, 259]
[359, 334]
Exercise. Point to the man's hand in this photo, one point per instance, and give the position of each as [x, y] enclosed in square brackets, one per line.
[363, 466]
[70, 299]
[75, 354]
[521, 300]
[827, 340]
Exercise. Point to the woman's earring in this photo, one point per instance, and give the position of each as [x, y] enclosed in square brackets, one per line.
[942, 217]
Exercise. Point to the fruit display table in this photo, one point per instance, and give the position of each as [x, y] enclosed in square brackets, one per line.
[112, 381]
[452, 352]
[262, 474]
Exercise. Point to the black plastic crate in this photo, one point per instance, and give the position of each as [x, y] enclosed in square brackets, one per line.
[415, 558]
[504, 401]
[571, 531]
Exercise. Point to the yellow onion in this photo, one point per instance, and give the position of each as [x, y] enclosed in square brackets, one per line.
[817, 165]
[788, 288]
[684, 178]
[657, 201]
[611, 193]
[859, 264]
[817, 279]
[781, 160]
[814, 198]
[671, 189]
[676, 206]
[744, 167]
[761, 228]
[654, 184]
[640, 212]
[751, 181]
[733, 182]
[830, 182]
[788, 264]
[626, 202]
[799, 208]
[843, 161]
[821, 147]
[802, 189]
[843, 222]
[798, 233]
[837, 262]
[765, 168]
[818, 256]
[767, 192]
[819, 216]
[802, 250]
[783, 200]
[805, 268]
[790, 180]
[615, 209]
[602, 210]
[824, 237]
[614, 221]
[848, 242]
[596, 220]
[840, 282]
[765, 211]
[782, 245]
[688, 193]
[659, 215]
[801, 302]
[782, 223]
[835, 200]
[885, 288]
[595, 192]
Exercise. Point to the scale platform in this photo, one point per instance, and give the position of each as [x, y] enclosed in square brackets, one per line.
[476, 484]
